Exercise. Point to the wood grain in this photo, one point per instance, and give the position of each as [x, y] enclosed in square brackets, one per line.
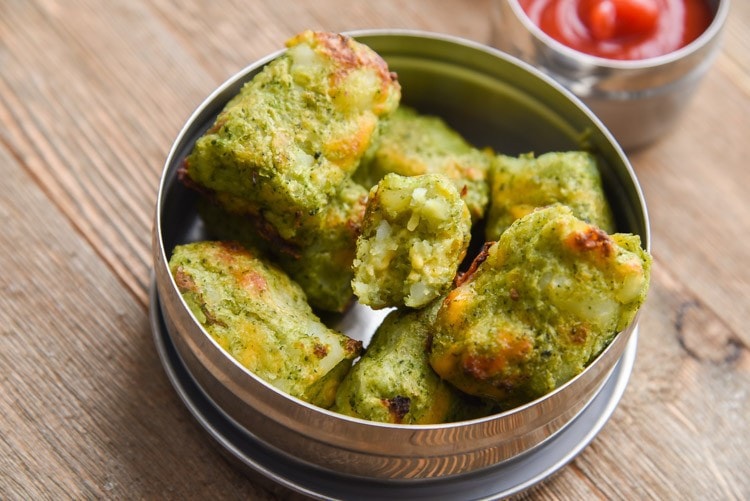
[92, 95]
[87, 410]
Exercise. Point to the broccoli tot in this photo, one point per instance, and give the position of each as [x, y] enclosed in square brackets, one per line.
[415, 233]
[393, 381]
[520, 185]
[262, 319]
[281, 149]
[540, 304]
[412, 144]
[321, 259]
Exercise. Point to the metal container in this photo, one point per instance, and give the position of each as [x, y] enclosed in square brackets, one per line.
[638, 101]
[494, 100]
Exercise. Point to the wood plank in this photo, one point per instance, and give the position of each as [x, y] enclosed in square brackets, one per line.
[85, 110]
[87, 409]
[227, 36]
[91, 96]
[736, 44]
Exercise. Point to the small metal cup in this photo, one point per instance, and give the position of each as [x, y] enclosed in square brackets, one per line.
[639, 101]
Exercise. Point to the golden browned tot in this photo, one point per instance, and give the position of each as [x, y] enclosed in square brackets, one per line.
[262, 319]
[281, 149]
[540, 304]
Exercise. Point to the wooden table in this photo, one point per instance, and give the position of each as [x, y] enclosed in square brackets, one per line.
[93, 93]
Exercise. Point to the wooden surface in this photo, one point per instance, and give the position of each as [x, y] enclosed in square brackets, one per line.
[92, 94]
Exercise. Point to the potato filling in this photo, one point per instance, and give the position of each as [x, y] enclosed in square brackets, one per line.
[415, 234]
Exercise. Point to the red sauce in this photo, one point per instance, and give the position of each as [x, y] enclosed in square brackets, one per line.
[621, 29]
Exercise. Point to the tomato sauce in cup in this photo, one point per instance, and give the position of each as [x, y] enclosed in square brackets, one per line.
[621, 29]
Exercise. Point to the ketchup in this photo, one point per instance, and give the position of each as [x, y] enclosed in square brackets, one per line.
[621, 29]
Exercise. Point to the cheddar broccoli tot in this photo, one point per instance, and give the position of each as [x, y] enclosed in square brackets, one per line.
[412, 144]
[415, 233]
[520, 185]
[262, 319]
[281, 149]
[541, 303]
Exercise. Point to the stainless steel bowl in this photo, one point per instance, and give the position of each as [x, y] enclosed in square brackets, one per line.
[494, 100]
[638, 101]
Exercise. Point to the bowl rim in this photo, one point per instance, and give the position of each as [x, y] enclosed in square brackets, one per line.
[713, 31]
